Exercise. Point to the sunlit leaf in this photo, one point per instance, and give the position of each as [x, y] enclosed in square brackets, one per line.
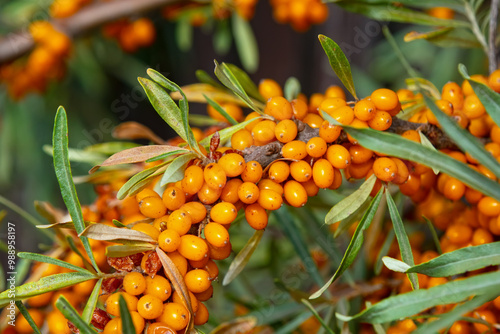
[127, 324]
[242, 258]
[88, 311]
[175, 170]
[51, 260]
[355, 244]
[127, 188]
[338, 62]
[77, 155]
[221, 110]
[24, 311]
[72, 315]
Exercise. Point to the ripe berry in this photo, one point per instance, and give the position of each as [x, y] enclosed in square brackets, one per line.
[359, 154]
[256, 216]
[193, 247]
[159, 287]
[338, 156]
[270, 185]
[299, 108]
[196, 211]
[214, 175]
[180, 261]
[329, 132]
[248, 192]
[295, 150]
[169, 240]
[152, 207]
[193, 180]
[385, 169]
[230, 191]
[112, 303]
[295, 194]
[328, 105]
[381, 121]
[241, 139]
[208, 195]
[216, 235]
[201, 316]
[233, 164]
[223, 213]
[279, 108]
[269, 88]
[179, 221]
[285, 131]
[316, 147]
[364, 110]
[270, 200]
[384, 99]
[263, 132]
[149, 307]
[279, 171]
[323, 173]
[301, 171]
[174, 315]
[173, 198]
[252, 172]
[197, 280]
[148, 229]
[134, 283]
[313, 120]
[160, 328]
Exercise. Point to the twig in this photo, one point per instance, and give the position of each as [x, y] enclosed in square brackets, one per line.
[476, 30]
[492, 54]
[17, 44]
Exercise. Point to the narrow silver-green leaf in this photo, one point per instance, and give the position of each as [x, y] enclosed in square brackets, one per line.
[175, 170]
[416, 301]
[395, 264]
[450, 317]
[246, 44]
[464, 139]
[416, 84]
[45, 284]
[164, 106]
[110, 148]
[221, 110]
[127, 323]
[225, 134]
[338, 62]
[435, 237]
[402, 238]
[88, 311]
[246, 82]
[427, 143]
[65, 178]
[488, 97]
[399, 147]
[27, 316]
[355, 244]
[317, 316]
[128, 249]
[142, 175]
[241, 259]
[77, 155]
[205, 78]
[105, 232]
[351, 203]
[51, 260]
[72, 315]
[292, 88]
[184, 34]
[384, 250]
[460, 261]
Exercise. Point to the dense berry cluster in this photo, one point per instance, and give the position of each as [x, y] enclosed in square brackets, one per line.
[300, 14]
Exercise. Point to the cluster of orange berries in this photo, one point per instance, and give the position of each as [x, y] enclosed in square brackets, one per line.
[46, 62]
[131, 35]
[66, 8]
[300, 14]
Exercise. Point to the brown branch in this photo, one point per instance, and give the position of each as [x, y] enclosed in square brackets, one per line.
[266, 154]
[19, 43]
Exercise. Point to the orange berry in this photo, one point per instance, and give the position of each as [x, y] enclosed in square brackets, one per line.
[338, 156]
[179, 221]
[328, 105]
[233, 164]
[344, 115]
[197, 280]
[248, 192]
[364, 110]
[481, 236]
[295, 193]
[193, 180]
[279, 171]
[285, 131]
[494, 81]
[176, 298]
[270, 185]
[232, 109]
[402, 174]
[313, 120]
[174, 315]
[214, 175]
[159, 286]
[329, 132]
[160, 328]
[384, 99]
[230, 191]
[252, 172]
[323, 173]
[201, 316]
[300, 170]
[335, 91]
[452, 92]
[359, 154]
[269, 199]
[146, 193]
[152, 207]
[263, 132]
[196, 211]
[489, 206]
[223, 213]
[208, 195]
[241, 139]
[169, 240]
[316, 147]
[487, 316]
[112, 303]
[381, 121]
[220, 253]
[269, 88]
[458, 234]
[256, 216]
[134, 283]
[279, 108]
[250, 116]
[149, 307]
[473, 108]
[453, 189]
[193, 247]
[411, 135]
[295, 150]
[299, 108]
[385, 169]
[148, 229]
[216, 235]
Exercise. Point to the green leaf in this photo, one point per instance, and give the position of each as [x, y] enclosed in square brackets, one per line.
[435, 237]
[446, 37]
[346, 223]
[128, 249]
[27, 316]
[464, 139]
[226, 133]
[416, 84]
[351, 203]
[460, 261]
[222, 37]
[338, 62]
[183, 104]
[168, 155]
[65, 179]
[45, 284]
[242, 258]
[246, 82]
[184, 34]
[488, 97]
[292, 88]
[416, 301]
[105, 232]
[72, 315]
[127, 188]
[76, 155]
[451, 316]
[202, 120]
[384, 250]
[395, 264]
[390, 12]
[51, 260]
[288, 224]
[317, 316]
[246, 44]
[402, 237]
[127, 323]
[427, 143]
[206, 78]
[110, 148]
[355, 244]
[88, 311]
[228, 79]
[164, 106]
[175, 170]
[221, 110]
[399, 147]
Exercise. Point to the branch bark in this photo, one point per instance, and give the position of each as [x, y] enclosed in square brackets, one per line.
[19, 43]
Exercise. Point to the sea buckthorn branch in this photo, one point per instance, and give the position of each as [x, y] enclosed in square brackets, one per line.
[266, 154]
[89, 17]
